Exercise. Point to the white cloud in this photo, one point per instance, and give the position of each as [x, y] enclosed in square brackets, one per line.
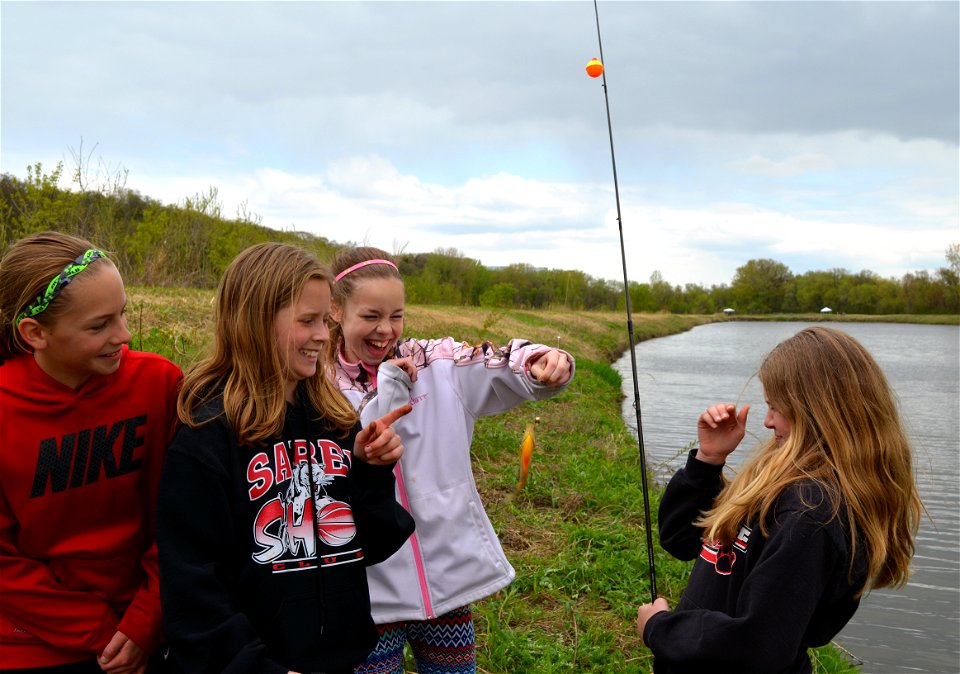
[820, 134]
[792, 166]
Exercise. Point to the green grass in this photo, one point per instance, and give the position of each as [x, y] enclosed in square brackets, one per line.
[576, 533]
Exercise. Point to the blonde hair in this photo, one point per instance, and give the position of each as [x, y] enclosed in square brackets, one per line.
[25, 271]
[246, 366]
[846, 436]
[343, 288]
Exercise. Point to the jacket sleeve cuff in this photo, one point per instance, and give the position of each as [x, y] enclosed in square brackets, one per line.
[396, 373]
[380, 477]
[648, 629]
[698, 470]
[143, 630]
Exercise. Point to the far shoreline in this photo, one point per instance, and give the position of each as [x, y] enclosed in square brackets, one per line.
[837, 317]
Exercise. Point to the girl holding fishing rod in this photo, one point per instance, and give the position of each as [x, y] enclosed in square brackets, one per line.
[273, 498]
[422, 594]
[826, 511]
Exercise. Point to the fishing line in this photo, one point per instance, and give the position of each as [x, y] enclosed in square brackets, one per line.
[633, 356]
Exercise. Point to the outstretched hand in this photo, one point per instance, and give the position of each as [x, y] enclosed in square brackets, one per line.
[720, 429]
[551, 368]
[378, 444]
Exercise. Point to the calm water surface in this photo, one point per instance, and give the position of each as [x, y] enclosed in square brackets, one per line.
[916, 629]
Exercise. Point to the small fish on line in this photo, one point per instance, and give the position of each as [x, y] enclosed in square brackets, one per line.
[526, 454]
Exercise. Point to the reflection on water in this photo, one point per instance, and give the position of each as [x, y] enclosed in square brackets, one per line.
[916, 629]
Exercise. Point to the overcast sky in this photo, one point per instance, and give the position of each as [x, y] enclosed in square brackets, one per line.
[818, 134]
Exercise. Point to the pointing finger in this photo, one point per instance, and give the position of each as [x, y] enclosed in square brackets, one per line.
[390, 417]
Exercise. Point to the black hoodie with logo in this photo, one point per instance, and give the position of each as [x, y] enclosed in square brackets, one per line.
[263, 550]
[760, 603]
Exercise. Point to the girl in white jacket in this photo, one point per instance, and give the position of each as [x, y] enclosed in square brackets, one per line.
[422, 594]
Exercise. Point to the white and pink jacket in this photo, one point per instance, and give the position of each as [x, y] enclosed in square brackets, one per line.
[454, 557]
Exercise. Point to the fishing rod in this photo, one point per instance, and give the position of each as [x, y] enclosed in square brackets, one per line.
[626, 296]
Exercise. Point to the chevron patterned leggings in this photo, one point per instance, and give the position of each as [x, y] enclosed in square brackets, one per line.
[444, 645]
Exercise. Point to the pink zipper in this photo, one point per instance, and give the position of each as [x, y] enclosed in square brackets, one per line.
[415, 543]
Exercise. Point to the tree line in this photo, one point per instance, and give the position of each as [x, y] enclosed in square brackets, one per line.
[190, 243]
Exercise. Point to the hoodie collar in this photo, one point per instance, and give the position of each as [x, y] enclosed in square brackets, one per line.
[359, 372]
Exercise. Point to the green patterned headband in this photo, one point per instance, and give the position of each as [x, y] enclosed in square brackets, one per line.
[59, 282]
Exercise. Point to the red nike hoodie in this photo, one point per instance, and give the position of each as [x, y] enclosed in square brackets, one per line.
[79, 472]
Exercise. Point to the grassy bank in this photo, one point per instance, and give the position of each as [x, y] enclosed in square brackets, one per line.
[176, 322]
[575, 534]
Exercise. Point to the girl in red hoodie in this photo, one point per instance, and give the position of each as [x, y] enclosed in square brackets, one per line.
[83, 431]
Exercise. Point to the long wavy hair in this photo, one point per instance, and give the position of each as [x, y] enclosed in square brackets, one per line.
[845, 435]
[247, 366]
[343, 289]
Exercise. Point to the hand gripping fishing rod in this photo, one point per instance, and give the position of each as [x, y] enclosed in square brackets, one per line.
[633, 356]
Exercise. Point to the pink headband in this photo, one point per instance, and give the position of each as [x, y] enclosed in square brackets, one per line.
[363, 264]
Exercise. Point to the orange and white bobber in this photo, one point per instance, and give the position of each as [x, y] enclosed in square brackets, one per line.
[594, 68]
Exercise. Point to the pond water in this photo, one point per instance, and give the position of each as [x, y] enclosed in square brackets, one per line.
[916, 629]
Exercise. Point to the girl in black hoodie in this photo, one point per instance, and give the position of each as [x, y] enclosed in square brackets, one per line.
[273, 499]
[824, 512]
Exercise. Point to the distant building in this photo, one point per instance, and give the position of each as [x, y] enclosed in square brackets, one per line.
[728, 311]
